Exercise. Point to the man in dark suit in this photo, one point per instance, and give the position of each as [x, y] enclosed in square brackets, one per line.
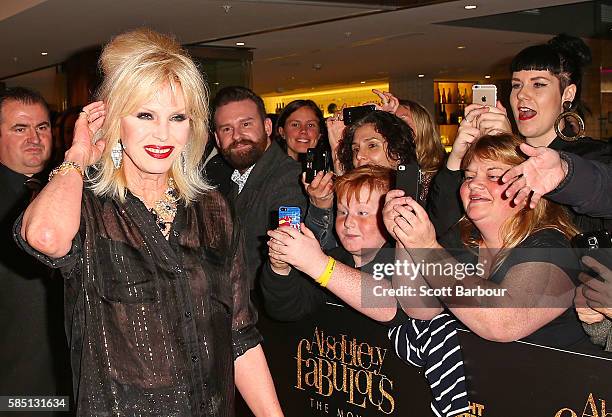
[263, 178]
[33, 349]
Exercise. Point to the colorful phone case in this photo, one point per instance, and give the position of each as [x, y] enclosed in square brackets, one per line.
[289, 216]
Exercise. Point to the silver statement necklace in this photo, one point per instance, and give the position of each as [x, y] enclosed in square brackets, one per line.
[165, 208]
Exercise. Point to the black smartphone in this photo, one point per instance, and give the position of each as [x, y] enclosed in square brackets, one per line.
[317, 160]
[289, 216]
[351, 114]
[597, 245]
[407, 179]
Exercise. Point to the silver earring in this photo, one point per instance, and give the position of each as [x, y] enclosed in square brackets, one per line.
[117, 154]
[183, 163]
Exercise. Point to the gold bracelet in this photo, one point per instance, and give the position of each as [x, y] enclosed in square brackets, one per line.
[323, 280]
[64, 167]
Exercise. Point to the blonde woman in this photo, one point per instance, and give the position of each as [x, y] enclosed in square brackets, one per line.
[527, 271]
[429, 150]
[157, 305]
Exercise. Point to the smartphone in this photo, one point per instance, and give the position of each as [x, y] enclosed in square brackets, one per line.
[484, 94]
[597, 245]
[407, 179]
[317, 160]
[351, 114]
[289, 216]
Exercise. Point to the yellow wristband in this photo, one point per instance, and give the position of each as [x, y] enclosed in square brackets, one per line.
[65, 167]
[323, 280]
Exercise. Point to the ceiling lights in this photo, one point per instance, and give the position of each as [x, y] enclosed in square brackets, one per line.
[239, 43]
[470, 6]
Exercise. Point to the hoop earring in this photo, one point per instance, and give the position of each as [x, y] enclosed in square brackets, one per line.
[567, 107]
[117, 154]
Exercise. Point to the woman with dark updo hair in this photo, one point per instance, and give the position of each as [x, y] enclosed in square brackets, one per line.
[546, 82]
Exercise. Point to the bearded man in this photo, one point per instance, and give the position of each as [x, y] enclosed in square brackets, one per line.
[263, 178]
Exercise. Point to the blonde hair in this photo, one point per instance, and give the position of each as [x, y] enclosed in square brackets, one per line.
[136, 65]
[370, 177]
[546, 215]
[429, 150]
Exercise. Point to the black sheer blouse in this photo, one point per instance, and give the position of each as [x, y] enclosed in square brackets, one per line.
[155, 325]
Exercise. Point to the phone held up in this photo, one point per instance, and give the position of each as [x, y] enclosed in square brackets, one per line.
[484, 94]
[597, 245]
[317, 160]
[289, 216]
[351, 114]
[407, 179]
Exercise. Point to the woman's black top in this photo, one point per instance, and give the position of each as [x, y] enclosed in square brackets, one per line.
[155, 325]
[548, 246]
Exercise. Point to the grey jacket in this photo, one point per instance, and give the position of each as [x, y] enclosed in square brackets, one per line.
[273, 182]
[600, 333]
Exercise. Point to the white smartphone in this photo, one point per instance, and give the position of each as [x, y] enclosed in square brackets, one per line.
[484, 94]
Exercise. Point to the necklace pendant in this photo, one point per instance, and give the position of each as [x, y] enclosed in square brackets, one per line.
[165, 209]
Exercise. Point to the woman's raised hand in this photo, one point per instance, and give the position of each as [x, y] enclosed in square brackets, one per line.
[83, 149]
[478, 121]
[493, 121]
[597, 292]
[467, 133]
[320, 190]
[585, 313]
[335, 129]
[389, 102]
[408, 222]
[392, 199]
[538, 175]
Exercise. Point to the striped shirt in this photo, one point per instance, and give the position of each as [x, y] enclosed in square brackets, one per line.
[434, 345]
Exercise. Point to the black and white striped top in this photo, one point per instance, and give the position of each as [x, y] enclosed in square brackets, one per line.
[434, 345]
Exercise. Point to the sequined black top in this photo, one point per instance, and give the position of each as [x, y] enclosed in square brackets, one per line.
[155, 325]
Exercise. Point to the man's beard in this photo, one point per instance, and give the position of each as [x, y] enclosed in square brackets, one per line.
[244, 158]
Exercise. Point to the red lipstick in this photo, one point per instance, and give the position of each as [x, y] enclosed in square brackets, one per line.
[159, 152]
